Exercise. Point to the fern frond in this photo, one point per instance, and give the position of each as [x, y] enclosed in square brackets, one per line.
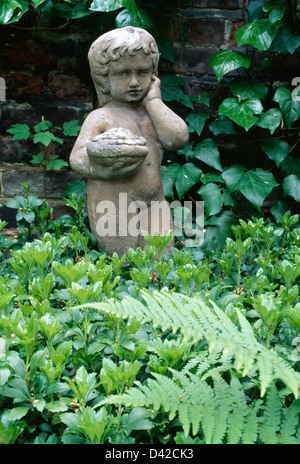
[197, 321]
[219, 412]
[250, 428]
[290, 422]
[271, 425]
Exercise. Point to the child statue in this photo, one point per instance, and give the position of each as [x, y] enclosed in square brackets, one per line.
[120, 146]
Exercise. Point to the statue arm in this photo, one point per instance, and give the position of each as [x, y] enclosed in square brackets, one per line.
[80, 162]
[172, 131]
[101, 154]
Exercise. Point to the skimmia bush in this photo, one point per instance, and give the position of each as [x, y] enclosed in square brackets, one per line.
[188, 348]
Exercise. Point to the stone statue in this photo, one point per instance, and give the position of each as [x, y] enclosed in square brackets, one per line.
[121, 144]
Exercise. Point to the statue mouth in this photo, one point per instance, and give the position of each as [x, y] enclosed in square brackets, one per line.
[134, 92]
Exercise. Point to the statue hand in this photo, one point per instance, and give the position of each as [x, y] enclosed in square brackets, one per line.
[154, 91]
[117, 151]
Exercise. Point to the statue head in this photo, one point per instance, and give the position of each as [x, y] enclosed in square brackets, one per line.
[113, 45]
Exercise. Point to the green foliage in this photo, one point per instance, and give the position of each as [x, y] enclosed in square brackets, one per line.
[45, 135]
[127, 12]
[209, 353]
[257, 109]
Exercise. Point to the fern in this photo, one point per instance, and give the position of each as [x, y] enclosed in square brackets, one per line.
[219, 412]
[197, 321]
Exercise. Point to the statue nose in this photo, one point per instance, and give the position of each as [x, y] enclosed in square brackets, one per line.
[134, 81]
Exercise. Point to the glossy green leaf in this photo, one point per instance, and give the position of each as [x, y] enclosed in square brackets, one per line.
[285, 42]
[197, 121]
[291, 186]
[37, 3]
[276, 10]
[165, 46]
[107, 5]
[289, 107]
[181, 177]
[135, 18]
[254, 185]
[226, 61]
[218, 228]
[276, 149]
[72, 12]
[259, 34]
[208, 152]
[171, 87]
[212, 197]
[271, 119]
[243, 88]
[222, 125]
[254, 10]
[244, 113]
[8, 8]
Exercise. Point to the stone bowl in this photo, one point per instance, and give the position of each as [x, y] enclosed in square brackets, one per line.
[118, 151]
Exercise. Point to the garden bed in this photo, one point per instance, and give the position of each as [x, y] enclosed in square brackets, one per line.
[185, 348]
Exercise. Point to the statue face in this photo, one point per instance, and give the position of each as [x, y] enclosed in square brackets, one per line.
[130, 77]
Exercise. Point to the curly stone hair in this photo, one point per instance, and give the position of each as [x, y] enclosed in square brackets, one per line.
[110, 47]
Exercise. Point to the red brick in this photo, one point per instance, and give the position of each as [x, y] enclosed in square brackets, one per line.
[172, 27]
[207, 31]
[192, 60]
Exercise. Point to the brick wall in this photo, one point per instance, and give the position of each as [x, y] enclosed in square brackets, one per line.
[198, 32]
[47, 75]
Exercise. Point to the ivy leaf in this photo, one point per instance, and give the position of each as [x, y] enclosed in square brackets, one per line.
[259, 34]
[71, 128]
[203, 98]
[67, 11]
[289, 107]
[285, 42]
[242, 88]
[218, 228]
[208, 152]
[8, 8]
[107, 5]
[225, 61]
[135, 18]
[19, 131]
[291, 186]
[276, 149]
[271, 119]
[182, 177]
[212, 197]
[165, 46]
[171, 88]
[276, 9]
[243, 113]
[197, 121]
[37, 3]
[222, 125]
[254, 185]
